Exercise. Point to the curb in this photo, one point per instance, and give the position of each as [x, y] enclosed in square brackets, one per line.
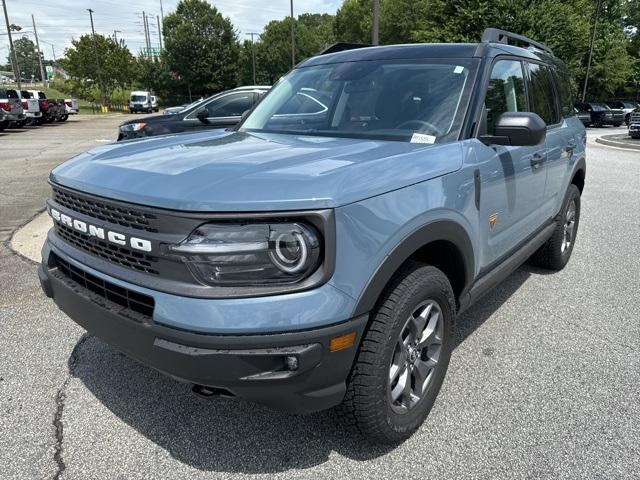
[616, 143]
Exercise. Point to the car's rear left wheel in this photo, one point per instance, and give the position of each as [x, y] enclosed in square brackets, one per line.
[555, 253]
[403, 357]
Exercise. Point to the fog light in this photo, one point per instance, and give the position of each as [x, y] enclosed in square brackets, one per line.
[292, 362]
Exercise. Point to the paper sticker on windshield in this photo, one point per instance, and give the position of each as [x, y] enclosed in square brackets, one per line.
[458, 69]
[422, 138]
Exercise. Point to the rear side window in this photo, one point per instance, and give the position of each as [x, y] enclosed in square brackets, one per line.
[506, 91]
[230, 105]
[566, 90]
[41, 96]
[542, 93]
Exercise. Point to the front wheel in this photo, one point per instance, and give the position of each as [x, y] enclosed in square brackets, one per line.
[403, 357]
[555, 253]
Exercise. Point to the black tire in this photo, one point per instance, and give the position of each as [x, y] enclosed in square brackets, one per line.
[617, 124]
[368, 406]
[555, 254]
[598, 123]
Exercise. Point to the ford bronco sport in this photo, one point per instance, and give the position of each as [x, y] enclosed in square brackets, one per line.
[318, 254]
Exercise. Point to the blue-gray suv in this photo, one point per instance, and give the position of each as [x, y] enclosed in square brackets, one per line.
[318, 254]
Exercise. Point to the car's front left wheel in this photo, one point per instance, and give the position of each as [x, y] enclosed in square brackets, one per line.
[403, 357]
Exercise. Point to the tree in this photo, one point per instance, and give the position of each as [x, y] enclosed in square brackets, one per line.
[563, 25]
[353, 21]
[27, 58]
[201, 47]
[314, 32]
[117, 65]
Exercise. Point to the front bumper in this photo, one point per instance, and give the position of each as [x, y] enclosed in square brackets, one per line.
[253, 366]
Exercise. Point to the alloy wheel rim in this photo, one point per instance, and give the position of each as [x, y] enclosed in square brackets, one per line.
[415, 357]
[569, 227]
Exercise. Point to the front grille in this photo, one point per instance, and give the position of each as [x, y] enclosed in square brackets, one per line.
[113, 253]
[136, 305]
[119, 215]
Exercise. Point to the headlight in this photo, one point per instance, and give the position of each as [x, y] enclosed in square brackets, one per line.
[132, 127]
[225, 254]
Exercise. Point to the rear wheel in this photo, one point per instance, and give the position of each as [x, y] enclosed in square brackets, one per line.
[403, 357]
[617, 124]
[555, 253]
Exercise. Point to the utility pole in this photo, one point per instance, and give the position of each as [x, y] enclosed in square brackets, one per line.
[375, 25]
[146, 34]
[593, 39]
[159, 32]
[253, 55]
[16, 67]
[293, 40]
[115, 35]
[95, 47]
[35, 31]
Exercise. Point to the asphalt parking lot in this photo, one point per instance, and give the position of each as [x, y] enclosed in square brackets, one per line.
[544, 381]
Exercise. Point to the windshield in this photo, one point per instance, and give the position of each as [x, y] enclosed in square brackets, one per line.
[406, 100]
[599, 107]
[138, 98]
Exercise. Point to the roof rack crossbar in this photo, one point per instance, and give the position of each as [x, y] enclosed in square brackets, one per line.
[342, 46]
[502, 36]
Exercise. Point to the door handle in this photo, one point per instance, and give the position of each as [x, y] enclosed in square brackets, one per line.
[537, 160]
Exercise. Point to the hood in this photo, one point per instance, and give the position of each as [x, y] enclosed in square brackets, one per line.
[220, 171]
[149, 119]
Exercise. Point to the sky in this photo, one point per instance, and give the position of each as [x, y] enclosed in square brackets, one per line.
[58, 21]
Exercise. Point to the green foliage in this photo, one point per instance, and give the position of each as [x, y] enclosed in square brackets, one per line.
[353, 21]
[313, 32]
[27, 58]
[117, 66]
[201, 46]
[563, 25]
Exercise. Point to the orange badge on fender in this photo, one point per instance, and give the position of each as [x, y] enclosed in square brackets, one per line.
[493, 219]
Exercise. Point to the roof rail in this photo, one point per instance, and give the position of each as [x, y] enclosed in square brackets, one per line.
[342, 46]
[502, 36]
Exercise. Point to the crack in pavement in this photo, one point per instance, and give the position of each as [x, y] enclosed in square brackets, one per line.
[61, 397]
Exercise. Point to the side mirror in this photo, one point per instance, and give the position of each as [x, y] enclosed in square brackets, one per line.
[519, 129]
[203, 115]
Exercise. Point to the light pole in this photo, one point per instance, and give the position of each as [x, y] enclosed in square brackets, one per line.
[375, 24]
[253, 55]
[293, 40]
[16, 67]
[593, 39]
[44, 79]
[95, 47]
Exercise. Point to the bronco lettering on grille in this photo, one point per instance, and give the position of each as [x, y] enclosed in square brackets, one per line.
[116, 238]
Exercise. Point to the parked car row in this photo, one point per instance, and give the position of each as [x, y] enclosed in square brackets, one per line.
[222, 110]
[19, 108]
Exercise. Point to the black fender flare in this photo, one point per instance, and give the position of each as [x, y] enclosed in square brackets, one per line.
[439, 230]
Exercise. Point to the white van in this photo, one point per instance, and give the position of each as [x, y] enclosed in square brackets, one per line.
[140, 101]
